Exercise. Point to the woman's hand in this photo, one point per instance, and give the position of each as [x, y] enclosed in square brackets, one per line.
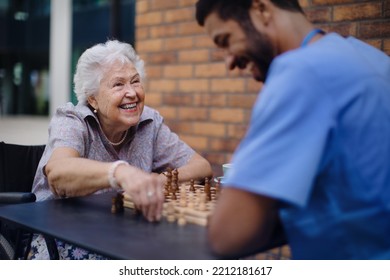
[146, 190]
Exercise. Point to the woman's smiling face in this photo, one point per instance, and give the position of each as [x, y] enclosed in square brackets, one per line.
[120, 99]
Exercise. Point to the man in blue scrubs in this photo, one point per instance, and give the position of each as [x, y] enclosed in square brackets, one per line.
[316, 157]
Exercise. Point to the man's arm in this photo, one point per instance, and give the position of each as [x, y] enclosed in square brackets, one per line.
[243, 223]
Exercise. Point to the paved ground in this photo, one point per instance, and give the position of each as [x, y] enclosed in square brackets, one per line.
[26, 130]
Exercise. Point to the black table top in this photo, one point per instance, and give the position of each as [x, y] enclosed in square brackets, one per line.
[88, 222]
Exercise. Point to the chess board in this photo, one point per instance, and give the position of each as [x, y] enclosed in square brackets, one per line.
[189, 203]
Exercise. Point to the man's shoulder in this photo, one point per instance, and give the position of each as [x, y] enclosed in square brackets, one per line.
[331, 58]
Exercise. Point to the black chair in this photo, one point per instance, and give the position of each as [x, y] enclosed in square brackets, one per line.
[18, 164]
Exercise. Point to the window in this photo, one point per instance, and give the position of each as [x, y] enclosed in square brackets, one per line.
[24, 57]
[25, 40]
[95, 21]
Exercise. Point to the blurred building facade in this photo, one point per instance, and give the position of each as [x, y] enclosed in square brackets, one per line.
[187, 81]
[42, 39]
[208, 106]
[40, 42]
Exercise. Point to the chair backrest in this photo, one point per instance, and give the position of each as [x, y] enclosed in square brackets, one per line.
[18, 164]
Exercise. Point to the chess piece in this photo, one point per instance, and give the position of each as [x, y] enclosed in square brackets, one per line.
[191, 198]
[181, 221]
[202, 202]
[207, 188]
[168, 183]
[175, 180]
[192, 185]
[183, 198]
[117, 203]
[218, 188]
[171, 212]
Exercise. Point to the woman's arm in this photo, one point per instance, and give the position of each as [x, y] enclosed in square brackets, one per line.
[69, 175]
[197, 168]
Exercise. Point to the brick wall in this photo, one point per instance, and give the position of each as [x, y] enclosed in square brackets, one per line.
[188, 83]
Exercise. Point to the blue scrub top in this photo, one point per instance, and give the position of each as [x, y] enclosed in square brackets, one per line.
[319, 142]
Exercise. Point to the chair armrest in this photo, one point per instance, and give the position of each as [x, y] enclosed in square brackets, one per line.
[16, 197]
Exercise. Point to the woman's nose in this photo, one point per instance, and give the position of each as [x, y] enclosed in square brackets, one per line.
[130, 92]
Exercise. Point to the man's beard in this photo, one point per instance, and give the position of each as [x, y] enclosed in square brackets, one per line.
[260, 51]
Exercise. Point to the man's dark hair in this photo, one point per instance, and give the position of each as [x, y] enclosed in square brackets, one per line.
[237, 10]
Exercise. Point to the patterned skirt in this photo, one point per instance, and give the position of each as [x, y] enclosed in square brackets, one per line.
[66, 251]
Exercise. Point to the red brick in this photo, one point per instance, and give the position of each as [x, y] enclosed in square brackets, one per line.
[162, 5]
[192, 100]
[209, 129]
[319, 14]
[386, 46]
[227, 115]
[376, 43]
[190, 28]
[210, 100]
[223, 144]
[178, 71]
[161, 58]
[182, 127]
[198, 143]
[153, 45]
[141, 33]
[193, 85]
[183, 3]
[163, 31]
[227, 85]
[344, 28]
[142, 6]
[177, 15]
[237, 131]
[248, 116]
[203, 41]
[327, 2]
[242, 100]
[162, 85]
[193, 55]
[168, 112]
[150, 18]
[153, 99]
[177, 100]
[153, 71]
[196, 114]
[387, 9]
[253, 86]
[210, 70]
[370, 30]
[178, 43]
[357, 11]
[240, 73]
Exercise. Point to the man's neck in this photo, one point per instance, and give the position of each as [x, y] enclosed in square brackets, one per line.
[292, 29]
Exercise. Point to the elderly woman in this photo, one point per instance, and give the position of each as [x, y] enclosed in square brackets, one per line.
[111, 140]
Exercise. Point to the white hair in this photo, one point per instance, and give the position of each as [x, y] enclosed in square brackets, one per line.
[93, 63]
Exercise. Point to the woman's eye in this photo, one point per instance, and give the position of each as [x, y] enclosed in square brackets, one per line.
[135, 83]
[118, 84]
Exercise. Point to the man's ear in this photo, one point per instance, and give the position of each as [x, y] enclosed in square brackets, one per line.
[262, 10]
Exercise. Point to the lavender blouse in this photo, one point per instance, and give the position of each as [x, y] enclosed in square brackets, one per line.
[150, 146]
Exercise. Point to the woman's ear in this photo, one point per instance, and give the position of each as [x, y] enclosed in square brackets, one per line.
[92, 101]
